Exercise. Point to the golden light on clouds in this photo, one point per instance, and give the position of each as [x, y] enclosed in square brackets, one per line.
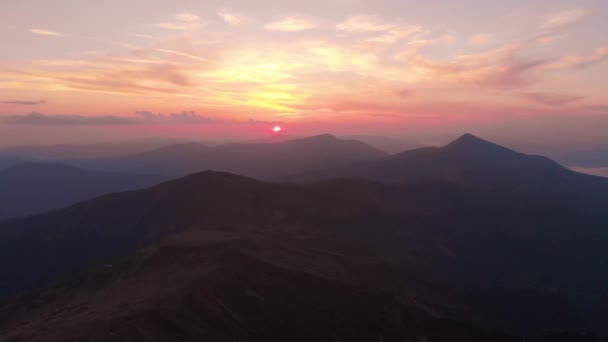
[288, 64]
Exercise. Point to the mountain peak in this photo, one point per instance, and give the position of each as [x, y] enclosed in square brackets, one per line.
[321, 137]
[470, 144]
[468, 138]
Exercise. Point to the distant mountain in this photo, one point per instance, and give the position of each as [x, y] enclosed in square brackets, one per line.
[35, 187]
[388, 144]
[83, 151]
[9, 161]
[261, 160]
[480, 164]
[447, 250]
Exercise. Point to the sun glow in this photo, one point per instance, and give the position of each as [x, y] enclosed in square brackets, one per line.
[276, 129]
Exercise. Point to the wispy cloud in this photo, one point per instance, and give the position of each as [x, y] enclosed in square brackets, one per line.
[385, 33]
[187, 17]
[23, 102]
[565, 18]
[481, 39]
[139, 118]
[230, 17]
[43, 119]
[44, 32]
[580, 62]
[183, 54]
[363, 23]
[552, 99]
[182, 22]
[291, 24]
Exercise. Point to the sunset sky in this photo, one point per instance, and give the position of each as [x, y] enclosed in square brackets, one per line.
[134, 68]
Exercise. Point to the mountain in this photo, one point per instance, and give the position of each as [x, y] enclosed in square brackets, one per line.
[85, 151]
[496, 260]
[35, 187]
[9, 161]
[482, 165]
[388, 144]
[227, 286]
[261, 160]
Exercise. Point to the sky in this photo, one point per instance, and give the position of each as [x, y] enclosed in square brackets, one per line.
[72, 70]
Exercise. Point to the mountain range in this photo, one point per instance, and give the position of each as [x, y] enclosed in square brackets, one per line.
[476, 163]
[467, 242]
[258, 160]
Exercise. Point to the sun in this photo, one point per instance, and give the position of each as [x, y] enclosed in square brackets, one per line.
[276, 129]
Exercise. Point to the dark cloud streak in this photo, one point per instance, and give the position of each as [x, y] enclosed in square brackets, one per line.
[140, 118]
[24, 103]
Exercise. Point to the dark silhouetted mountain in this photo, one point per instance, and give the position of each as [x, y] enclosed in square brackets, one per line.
[35, 187]
[480, 164]
[219, 286]
[428, 244]
[261, 160]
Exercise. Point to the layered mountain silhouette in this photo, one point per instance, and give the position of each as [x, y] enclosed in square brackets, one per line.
[227, 286]
[85, 151]
[258, 160]
[429, 244]
[467, 242]
[479, 164]
[35, 187]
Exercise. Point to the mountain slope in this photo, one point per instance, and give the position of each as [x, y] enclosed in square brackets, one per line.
[480, 164]
[33, 187]
[261, 160]
[420, 233]
[225, 287]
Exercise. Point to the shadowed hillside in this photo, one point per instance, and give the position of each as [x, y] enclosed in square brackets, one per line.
[231, 286]
[35, 187]
[482, 165]
[410, 236]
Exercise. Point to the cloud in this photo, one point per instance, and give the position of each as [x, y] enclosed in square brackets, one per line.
[362, 23]
[183, 22]
[174, 26]
[230, 17]
[481, 39]
[187, 17]
[189, 117]
[140, 118]
[552, 99]
[183, 54]
[43, 119]
[44, 32]
[291, 24]
[580, 62]
[365, 23]
[181, 117]
[24, 103]
[565, 18]
[500, 68]
[386, 33]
